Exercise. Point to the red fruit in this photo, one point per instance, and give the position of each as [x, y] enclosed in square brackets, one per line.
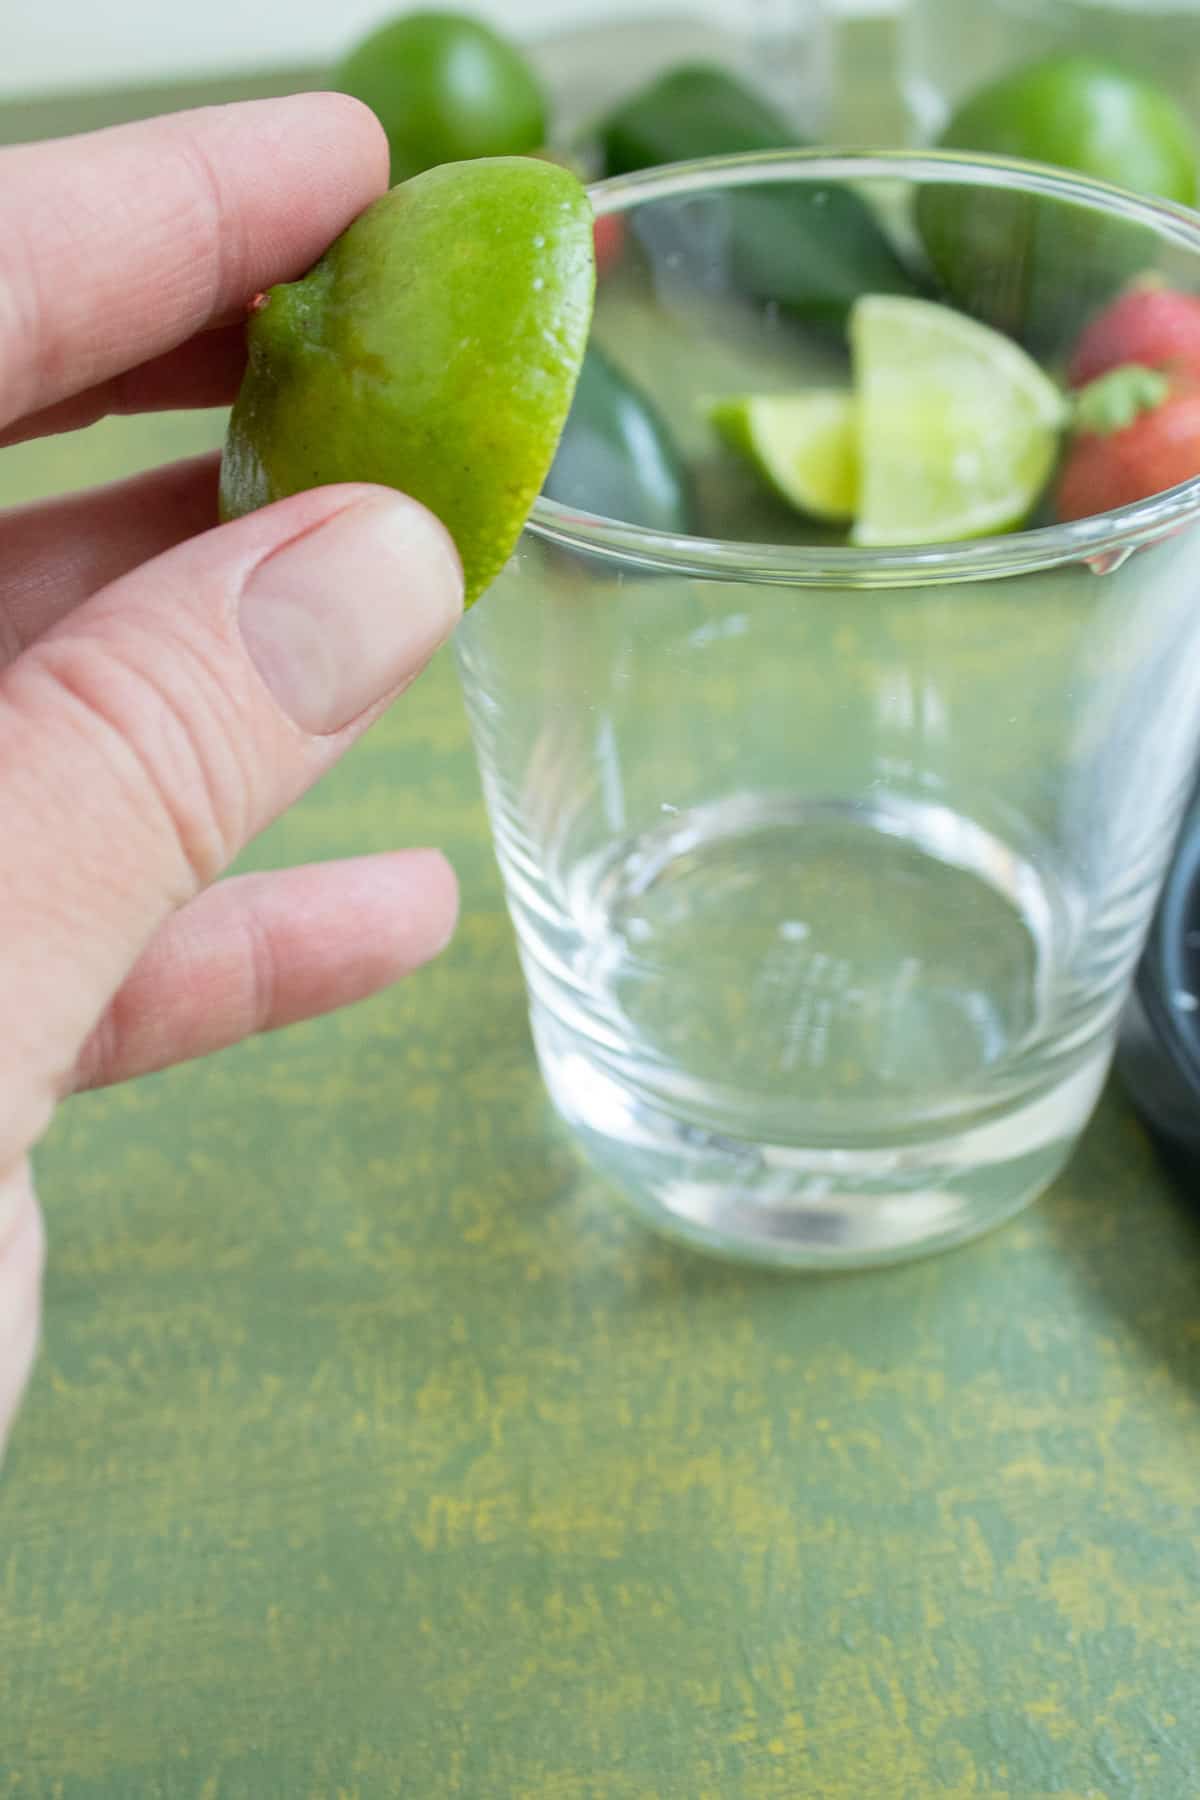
[1137, 433]
[608, 235]
[1150, 324]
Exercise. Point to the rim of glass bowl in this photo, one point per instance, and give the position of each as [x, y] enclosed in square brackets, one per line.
[1094, 540]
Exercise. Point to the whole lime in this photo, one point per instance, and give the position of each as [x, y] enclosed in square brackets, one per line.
[1035, 265]
[434, 348]
[1075, 112]
[445, 87]
[617, 456]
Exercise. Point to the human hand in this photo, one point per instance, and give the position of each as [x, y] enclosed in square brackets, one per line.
[167, 687]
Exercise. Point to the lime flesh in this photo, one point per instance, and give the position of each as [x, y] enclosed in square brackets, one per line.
[434, 348]
[958, 427]
[804, 444]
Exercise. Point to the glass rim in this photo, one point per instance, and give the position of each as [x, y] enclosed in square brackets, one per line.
[1104, 539]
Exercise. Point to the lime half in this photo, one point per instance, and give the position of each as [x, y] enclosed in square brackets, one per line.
[434, 348]
[958, 427]
[804, 444]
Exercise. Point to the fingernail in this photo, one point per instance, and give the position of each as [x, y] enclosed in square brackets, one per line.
[344, 615]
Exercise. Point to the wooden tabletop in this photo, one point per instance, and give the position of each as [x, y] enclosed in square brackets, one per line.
[373, 1451]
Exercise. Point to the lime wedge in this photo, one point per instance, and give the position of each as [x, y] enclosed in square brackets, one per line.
[434, 348]
[958, 427]
[805, 444]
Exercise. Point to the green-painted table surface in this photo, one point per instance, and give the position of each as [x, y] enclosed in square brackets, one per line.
[374, 1452]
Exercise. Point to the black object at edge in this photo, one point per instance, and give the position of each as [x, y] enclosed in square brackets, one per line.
[1159, 1057]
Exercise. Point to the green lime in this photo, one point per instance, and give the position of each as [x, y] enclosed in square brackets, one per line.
[1030, 264]
[805, 445]
[1079, 113]
[617, 456]
[445, 87]
[809, 250]
[958, 427]
[434, 348]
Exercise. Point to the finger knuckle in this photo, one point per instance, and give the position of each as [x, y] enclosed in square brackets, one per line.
[164, 727]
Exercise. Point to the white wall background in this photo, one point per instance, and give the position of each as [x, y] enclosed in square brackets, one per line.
[58, 45]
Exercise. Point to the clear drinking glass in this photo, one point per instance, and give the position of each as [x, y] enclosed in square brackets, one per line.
[830, 867]
[948, 48]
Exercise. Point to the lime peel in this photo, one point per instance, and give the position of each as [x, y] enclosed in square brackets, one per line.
[435, 348]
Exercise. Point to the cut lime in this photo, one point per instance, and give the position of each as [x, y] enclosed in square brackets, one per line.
[958, 427]
[805, 444]
[434, 348]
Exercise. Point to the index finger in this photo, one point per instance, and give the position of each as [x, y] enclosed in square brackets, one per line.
[118, 246]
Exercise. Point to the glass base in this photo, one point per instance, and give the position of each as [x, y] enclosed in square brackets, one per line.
[833, 1207]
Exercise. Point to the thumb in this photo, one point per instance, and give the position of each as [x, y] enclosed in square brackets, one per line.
[151, 733]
